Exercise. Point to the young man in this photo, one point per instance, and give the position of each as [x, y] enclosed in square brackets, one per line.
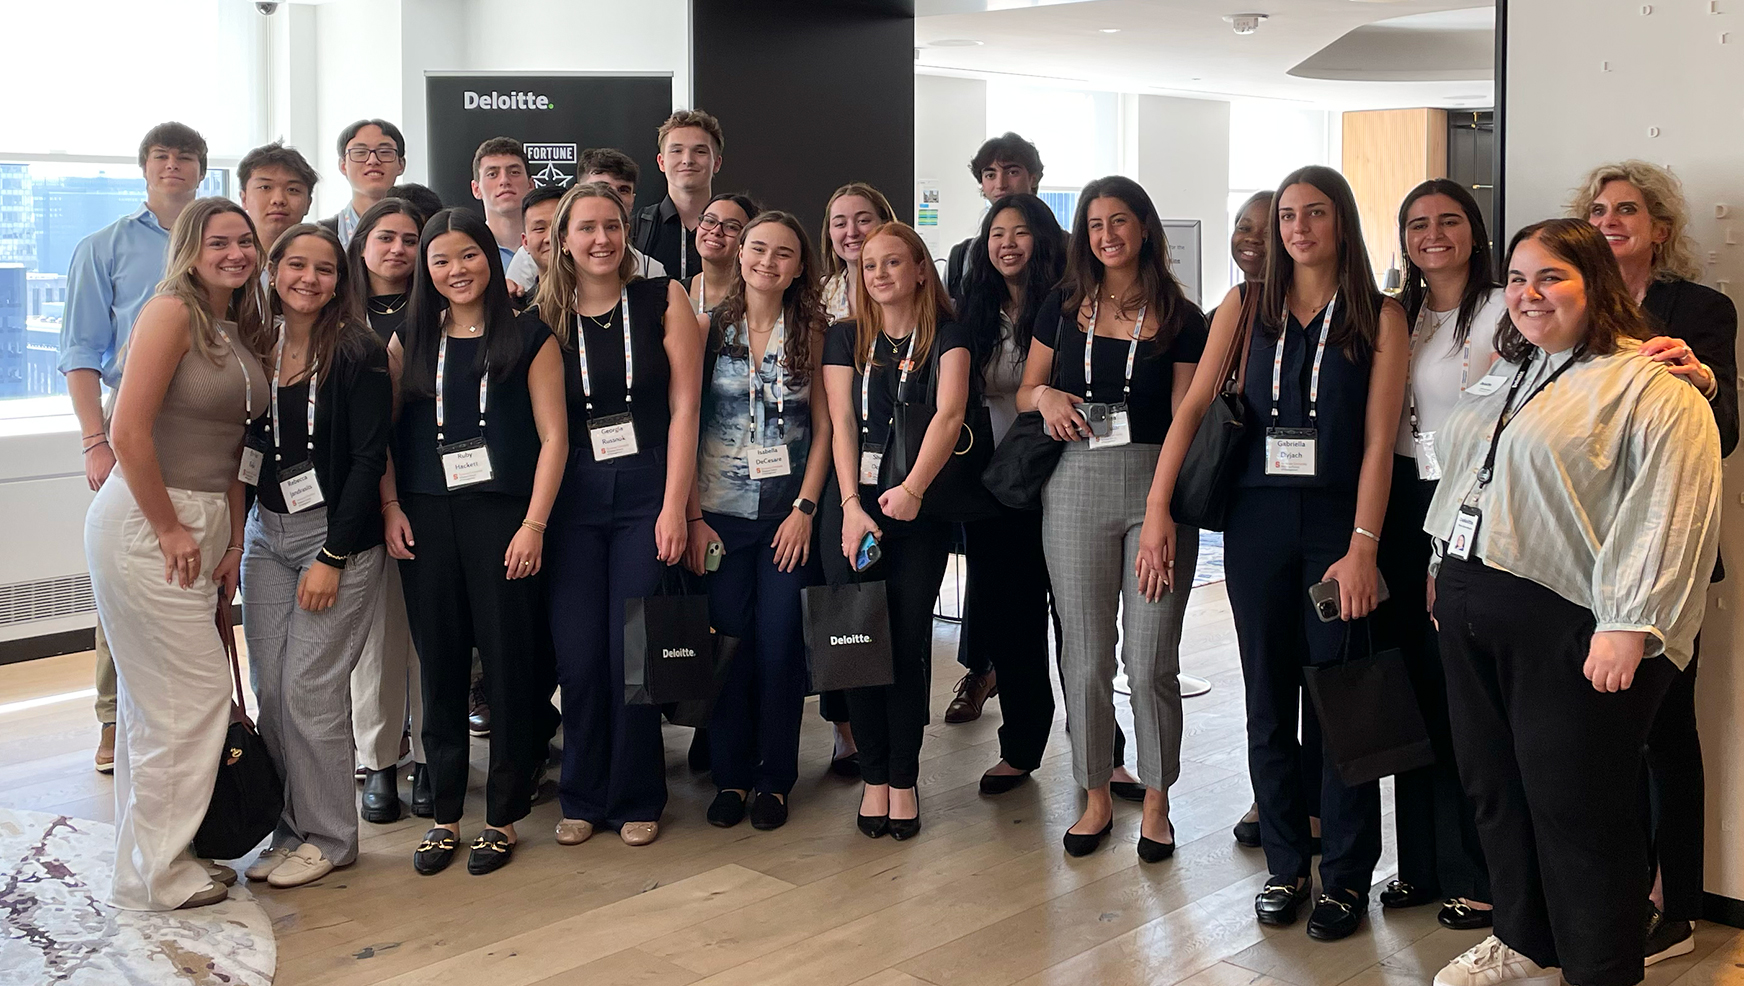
[372, 156]
[690, 153]
[500, 180]
[1005, 165]
[531, 261]
[112, 274]
[277, 188]
[422, 197]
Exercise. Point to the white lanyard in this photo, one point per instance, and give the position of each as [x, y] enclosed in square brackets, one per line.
[629, 354]
[441, 367]
[247, 381]
[683, 252]
[278, 367]
[1131, 351]
[1464, 366]
[1314, 379]
[776, 339]
[866, 386]
[701, 291]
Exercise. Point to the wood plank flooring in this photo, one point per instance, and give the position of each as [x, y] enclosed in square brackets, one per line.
[983, 897]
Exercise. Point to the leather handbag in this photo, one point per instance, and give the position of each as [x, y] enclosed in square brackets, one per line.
[956, 493]
[249, 795]
[1201, 497]
[1022, 463]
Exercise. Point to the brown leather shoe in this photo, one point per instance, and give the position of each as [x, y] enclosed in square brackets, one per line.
[105, 759]
[972, 693]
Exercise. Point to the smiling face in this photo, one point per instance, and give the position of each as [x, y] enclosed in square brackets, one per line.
[1308, 225]
[892, 274]
[228, 255]
[373, 175]
[1010, 243]
[1547, 298]
[306, 275]
[1248, 243]
[536, 233]
[717, 235]
[770, 258]
[276, 199]
[459, 267]
[392, 248]
[1620, 212]
[501, 184]
[1002, 178]
[851, 218]
[1438, 236]
[688, 159]
[171, 173]
[1115, 232]
[594, 238]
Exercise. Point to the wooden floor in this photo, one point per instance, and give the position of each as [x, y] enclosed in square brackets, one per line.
[984, 896]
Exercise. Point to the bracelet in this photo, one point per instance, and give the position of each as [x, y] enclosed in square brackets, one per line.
[1371, 535]
[385, 506]
[94, 434]
[850, 499]
[236, 548]
[533, 525]
[906, 489]
[338, 558]
[694, 520]
[88, 448]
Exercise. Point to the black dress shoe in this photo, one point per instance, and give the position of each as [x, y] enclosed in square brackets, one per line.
[848, 766]
[768, 812]
[1337, 915]
[699, 751]
[992, 783]
[491, 851]
[1462, 918]
[423, 799]
[1084, 845]
[873, 826]
[478, 717]
[1277, 902]
[1400, 894]
[381, 796]
[1247, 834]
[727, 810]
[1127, 791]
[436, 851]
[907, 828]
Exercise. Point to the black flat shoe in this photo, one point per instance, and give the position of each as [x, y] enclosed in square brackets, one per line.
[1151, 851]
[491, 851]
[906, 828]
[1277, 902]
[727, 810]
[436, 851]
[699, 751]
[1084, 845]
[1127, 791]
[1337, 915]
[848, 766]
[1247, 834]
[1462, 918]
[423, 800]
[873, 826]
[1400, 894]
[1001, 783]
[768, 812]
[381, 796]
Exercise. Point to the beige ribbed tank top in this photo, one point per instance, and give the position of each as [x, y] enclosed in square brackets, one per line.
[201, 425]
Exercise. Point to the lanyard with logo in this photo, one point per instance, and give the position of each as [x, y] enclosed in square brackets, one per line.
[613, 436]
[468, 462]
[298, 484]
[1428, 466]
[1119, 430]
[768, 461]
[872, 456]
[253, 448]
[1291, 451]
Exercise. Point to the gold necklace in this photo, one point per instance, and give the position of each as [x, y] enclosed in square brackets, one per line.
[389, 308]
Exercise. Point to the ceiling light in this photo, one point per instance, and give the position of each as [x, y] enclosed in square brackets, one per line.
[1110, 30]
[1245, 23]
[956, 43]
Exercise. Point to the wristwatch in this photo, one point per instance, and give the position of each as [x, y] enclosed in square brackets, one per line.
[805, 506]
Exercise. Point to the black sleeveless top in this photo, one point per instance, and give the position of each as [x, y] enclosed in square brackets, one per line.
[1342, 408]
[652, 407]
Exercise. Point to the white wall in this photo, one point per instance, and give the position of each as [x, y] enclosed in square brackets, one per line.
[1669, 96]
[1178, 149]
[950, 124]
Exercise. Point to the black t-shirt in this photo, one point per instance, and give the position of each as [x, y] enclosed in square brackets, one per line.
[886, 371]
[1153, 371]
[652, 407]
[387, 314]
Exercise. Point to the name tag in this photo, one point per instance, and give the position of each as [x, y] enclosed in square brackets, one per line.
[1290, 451]
[613, 437]
[770, 462]
[301, 489]
[1428, 466]
[253, 454]
[1119, 431]
[1490, 383]
[1465, 533]
[465, 463]
[871, 461]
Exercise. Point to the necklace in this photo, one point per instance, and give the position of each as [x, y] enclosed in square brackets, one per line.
[603, 323]
[389, 307]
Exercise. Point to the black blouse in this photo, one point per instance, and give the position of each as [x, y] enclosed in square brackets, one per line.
[1153, 372]
[887, 373]
[652, 407]
[1341, 413]
[387, 314]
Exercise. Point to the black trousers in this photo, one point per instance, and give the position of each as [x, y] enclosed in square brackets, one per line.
[1277, 543]
[1554, 768]
[1005, 627]
[1439, 848]
[1675, 795]
[458, 599]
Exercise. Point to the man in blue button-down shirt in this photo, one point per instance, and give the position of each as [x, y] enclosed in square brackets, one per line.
[113, 273]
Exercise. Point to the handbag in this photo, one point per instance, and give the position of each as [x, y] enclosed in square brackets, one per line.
[1201, 497]
[1369, 715]
[697, 712]
[669, 646]
[956, 493]
[1021, 465]
[847, 636]
[248, 796]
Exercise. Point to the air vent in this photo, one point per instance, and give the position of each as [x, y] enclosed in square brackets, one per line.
[46, 599]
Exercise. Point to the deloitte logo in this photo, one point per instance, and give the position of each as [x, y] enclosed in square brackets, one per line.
[494, 100]
[849, 638]
[670, 652]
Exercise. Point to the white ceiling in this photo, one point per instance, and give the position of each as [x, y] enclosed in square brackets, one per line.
[1186, 48]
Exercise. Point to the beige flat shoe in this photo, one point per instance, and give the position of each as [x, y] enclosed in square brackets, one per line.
[214, 893]
[305, 865]
[639, 833]
[573, 832]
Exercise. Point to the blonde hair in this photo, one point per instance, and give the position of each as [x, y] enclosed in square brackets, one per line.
[832, 264]
[931, 304]
[182, 282]
[1673, 260]
[555, 296]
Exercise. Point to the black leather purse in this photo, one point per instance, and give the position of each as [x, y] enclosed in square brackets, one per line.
[1201, 497]
[248, 796]
[1022, 463]
[957, 493]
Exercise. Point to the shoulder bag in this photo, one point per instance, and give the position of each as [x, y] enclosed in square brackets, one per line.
[1022, 463]
[956, 493]
[248, 796]
[1201, 497]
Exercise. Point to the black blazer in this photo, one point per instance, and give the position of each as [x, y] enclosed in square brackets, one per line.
[1708, 321]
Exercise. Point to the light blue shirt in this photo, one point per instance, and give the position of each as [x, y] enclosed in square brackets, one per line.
[345, 224]
[113, 273]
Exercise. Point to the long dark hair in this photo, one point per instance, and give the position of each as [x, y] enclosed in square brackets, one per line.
[1480, 277]
[983, 294]
[501, 351]
[1084, 272]
[802, 304]
[1611, 308]
[366, 223]
[340, 327]
[1357, 294]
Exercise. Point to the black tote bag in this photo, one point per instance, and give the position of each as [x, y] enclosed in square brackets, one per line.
[669, 647]
[847, 636]
[956, 493]
[1201, 497]
[1369, 713]
[249, 795]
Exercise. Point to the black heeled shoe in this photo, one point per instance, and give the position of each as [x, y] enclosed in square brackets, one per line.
[907, 828]
[423, 799]
[381, 796]
[873, 826]
[1127, 791]
[1083, 845]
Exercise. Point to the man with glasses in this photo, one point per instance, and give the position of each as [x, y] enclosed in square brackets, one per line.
[372, 156]
[690, 145]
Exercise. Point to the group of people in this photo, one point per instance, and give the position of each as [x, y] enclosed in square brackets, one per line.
[420, 439]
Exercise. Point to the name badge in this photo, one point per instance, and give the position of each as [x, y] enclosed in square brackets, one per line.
[465, 463]
[770, 462]
[1119, 431]
[1465, 533]
[613, 437]
[253, 454]
[301, 488]
[871, 461]
[1428, 466]
[1290, 451]
[1490, 382]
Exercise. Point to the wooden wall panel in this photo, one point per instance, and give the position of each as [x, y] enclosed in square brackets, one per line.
[1386, 154]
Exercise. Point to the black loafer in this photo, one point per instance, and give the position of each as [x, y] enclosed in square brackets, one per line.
[848, 766]
[1462, 918]
[698, 759]
[1127, 791]
[873, 826]
[768, 812]
[381, 796]
[727, 810]
[423, 800]
[1400, 894]
[491, 851]
[1247, 834]
[1001, 783]
[1337, 915]
[1277, 902]
[436, 851]
[1083, 845]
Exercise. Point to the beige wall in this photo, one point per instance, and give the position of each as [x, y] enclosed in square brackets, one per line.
[1386, 154]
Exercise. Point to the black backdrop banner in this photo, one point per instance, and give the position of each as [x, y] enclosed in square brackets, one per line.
[555, 116]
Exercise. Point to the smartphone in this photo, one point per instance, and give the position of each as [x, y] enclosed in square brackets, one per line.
[1096, 416]
[711, 556]
[868, 554]
[1324, 597]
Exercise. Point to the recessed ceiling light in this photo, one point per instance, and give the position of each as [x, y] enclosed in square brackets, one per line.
[956, 43]
[1110, 30]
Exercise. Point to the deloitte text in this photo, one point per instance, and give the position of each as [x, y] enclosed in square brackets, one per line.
[494, 100]
[851, 638]
[677, 652]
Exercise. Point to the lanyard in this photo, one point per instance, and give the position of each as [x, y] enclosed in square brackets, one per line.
[701, 291]
[866, 387]
[683, 252]
[1131, 350]
[441, 368]
[247, 381]
[629, 354]
[1314, 379]
[278, 367]
[1488, 472]
[776, 339]
[1464, 366]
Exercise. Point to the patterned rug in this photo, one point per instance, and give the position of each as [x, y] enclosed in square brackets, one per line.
[54, 876]
[1210, 559]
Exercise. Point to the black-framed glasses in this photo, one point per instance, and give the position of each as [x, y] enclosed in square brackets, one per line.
[731, 227]
[386, 155]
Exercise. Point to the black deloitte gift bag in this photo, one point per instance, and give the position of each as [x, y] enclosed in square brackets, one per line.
[847, 635]
[669, 647]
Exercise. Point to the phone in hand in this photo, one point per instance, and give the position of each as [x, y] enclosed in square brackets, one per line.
[868, 554]
[711, 556]
[1097, 418]
[1324, 597]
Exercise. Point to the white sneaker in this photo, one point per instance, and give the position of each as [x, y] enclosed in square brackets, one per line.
[1491, 963]
[305, 865]
[266, 862]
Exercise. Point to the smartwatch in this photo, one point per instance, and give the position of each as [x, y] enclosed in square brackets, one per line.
[805, 506]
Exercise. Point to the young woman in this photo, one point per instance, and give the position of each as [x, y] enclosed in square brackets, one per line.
[385, 690]
[718, 235]
[164, 541]
[312, 555]
[1120, 335]
[1012, 265]
[1325, 381]
[478, 453]
[903, 338]
[1452, 304]
[632, 359]
[1580, 523]
[765, 450]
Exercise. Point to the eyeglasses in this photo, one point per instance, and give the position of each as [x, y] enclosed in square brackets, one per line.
[731, 227]
[386, 155]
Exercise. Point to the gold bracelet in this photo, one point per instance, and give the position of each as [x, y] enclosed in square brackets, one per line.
[850, 499]
[235, 547]
[905, 488]
[533, 525]
[338, 558]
